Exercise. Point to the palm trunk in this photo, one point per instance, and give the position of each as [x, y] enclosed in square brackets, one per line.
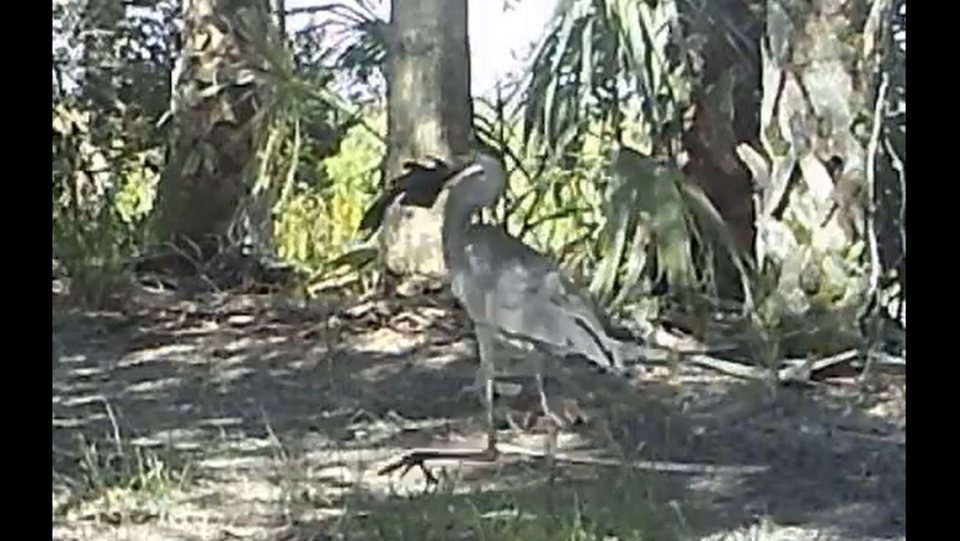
[429, 113]
[818, 86]
[204, 200]
[726, 113]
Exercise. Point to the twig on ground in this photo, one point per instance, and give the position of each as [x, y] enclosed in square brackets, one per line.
[420, 457]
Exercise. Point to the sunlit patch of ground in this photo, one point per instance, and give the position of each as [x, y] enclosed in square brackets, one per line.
[239, 419]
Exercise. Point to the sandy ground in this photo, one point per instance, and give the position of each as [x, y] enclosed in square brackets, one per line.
[282, 417]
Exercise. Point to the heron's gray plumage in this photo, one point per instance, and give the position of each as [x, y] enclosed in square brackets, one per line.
[501, 282]
[521, 294]
[511, 292]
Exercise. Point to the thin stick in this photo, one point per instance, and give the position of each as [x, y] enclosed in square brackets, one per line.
[420, 457]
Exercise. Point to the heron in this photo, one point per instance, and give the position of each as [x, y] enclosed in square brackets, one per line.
[514, 295]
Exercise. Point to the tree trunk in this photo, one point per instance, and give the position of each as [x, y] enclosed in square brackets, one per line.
[428, 113]
[726, 102]
[890, 193]
[205, 200]
[816, 119]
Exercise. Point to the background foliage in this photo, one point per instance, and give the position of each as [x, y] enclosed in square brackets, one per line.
[584, 133]
[595, 133]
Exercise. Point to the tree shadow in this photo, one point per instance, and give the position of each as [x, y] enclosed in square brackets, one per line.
[245, 391]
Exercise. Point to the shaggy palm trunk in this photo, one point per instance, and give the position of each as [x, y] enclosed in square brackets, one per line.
[429, 113]
[726, 110]
[819, 82]
[205, 201]
[892, 168]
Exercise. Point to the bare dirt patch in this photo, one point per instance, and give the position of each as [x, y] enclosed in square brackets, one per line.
[239, 417]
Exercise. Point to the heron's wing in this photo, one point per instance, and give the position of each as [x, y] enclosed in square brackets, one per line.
[527, 296]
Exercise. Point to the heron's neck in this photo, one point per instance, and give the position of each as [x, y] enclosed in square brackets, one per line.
[456, 222]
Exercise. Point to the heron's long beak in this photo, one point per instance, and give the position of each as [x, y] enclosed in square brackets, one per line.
[422, 188]
[467, 172]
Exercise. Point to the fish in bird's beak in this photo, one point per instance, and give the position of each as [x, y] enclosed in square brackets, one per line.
[419, 186]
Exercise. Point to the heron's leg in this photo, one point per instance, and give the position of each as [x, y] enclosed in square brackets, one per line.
[485, 341]
[553, 427]
[476, 388]
[548, 412]
[550, 449]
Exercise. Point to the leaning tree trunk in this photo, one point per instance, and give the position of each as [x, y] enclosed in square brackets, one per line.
[726, 110]
[205, 200]
[428, 113]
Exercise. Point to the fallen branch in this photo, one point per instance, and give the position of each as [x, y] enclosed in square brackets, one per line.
[421, 457]
[803, 371]
[795, 371]
[730, 368]
[792, 370]
[649, 465]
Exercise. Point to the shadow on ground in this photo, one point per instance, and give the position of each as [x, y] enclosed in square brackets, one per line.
[285, 420]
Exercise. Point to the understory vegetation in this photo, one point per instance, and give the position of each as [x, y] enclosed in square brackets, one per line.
[731, 173]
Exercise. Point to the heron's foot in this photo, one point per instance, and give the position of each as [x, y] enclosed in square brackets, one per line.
[551, 417]
[419, 458]
[573, 414]
[521, 421]
[407, 462]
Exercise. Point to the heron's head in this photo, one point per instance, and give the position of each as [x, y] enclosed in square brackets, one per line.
[480, 183]
[475, 185]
